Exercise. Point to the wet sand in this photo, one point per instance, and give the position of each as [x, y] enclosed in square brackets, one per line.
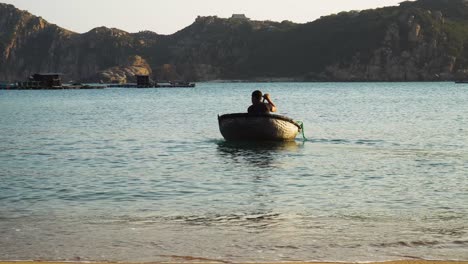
[199, 261]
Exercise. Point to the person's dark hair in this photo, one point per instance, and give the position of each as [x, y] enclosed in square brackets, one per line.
[257, 95]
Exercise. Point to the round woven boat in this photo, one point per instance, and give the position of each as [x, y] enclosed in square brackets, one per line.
[260, 127]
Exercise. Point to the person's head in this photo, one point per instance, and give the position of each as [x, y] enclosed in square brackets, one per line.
[257, 97]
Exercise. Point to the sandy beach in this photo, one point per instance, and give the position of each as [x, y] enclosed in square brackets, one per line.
[199, 261]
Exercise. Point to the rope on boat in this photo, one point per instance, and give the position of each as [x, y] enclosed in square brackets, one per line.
[301, 124]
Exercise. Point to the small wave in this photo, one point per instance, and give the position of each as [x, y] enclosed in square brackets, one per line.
[214, 219]
[407, 244]
[331, 141]
[455, 231]
[204, 220]
[366, 142]
[213, 140]
[192, 258]
[369, 142]
[460, 242]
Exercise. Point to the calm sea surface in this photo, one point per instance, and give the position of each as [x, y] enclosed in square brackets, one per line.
[145, 175]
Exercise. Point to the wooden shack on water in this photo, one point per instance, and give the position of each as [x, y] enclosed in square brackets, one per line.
[144, 81]
[49, 80]
[42, 81]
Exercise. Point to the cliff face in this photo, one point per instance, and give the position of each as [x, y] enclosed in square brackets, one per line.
[416, 41]
[421, 41]
[29, 44]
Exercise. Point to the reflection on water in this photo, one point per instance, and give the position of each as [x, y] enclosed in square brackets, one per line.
[260, 154]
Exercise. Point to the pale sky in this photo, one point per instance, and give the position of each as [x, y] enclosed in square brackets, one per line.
[169, 16]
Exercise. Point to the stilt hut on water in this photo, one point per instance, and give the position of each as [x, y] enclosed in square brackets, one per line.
[144, 81]
[42, 81]
[48, 80]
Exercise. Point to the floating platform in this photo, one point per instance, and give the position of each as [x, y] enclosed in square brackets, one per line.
[33, 85]
[166, 85]
[188, 85]
[64, 87]
[159, 85]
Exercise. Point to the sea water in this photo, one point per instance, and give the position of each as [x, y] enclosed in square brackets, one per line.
[145, 175]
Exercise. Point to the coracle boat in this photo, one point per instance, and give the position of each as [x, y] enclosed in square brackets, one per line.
[258, 127]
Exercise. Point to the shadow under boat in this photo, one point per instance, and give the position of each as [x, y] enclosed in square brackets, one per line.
[254, 146]
[256, 153]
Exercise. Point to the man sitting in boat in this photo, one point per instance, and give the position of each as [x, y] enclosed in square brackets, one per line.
[261, 107]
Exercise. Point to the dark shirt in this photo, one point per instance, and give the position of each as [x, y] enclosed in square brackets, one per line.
[261, 108]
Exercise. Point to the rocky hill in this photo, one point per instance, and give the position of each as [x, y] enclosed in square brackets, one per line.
[423, 40]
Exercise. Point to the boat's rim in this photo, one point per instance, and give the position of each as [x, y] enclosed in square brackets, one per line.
[247, 115]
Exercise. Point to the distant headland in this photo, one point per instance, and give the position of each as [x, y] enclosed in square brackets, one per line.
[424, 40]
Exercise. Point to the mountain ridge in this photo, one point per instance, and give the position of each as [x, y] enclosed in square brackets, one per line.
[422, 40]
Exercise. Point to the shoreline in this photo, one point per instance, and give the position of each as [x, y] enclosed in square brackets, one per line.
[209, 261]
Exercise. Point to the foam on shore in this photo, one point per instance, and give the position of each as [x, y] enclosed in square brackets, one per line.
[210, 262]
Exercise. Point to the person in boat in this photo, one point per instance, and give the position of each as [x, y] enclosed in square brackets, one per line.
[259, 106]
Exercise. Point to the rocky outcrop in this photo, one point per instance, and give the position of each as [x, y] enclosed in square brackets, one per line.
[125, 73]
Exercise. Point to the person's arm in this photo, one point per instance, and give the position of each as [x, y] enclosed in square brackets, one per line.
[270, 102]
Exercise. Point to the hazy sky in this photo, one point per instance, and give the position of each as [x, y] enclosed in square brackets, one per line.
[169, 16]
